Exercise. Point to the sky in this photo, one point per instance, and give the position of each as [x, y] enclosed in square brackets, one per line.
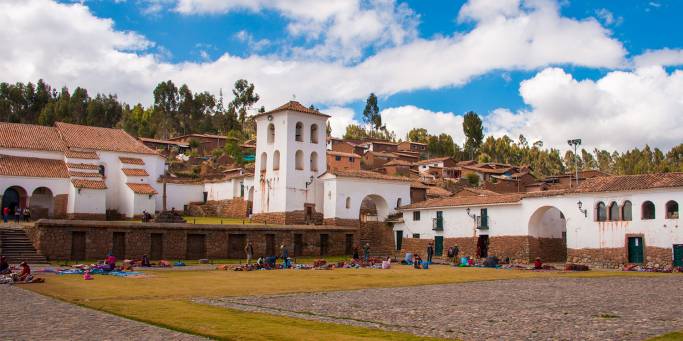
[607, 71]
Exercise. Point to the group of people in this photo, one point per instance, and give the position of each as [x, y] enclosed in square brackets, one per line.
[268, 261]
[147, 217]
[19, 213]
[22, 276]
[366, 253]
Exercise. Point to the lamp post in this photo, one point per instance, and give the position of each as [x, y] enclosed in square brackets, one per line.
[575, 143]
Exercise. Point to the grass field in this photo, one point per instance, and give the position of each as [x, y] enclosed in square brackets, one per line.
[164, 297]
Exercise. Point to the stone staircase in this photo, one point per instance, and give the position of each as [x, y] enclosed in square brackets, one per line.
[17, 247]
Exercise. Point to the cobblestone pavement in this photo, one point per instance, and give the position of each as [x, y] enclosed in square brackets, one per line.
[539, 309]
[30, 316]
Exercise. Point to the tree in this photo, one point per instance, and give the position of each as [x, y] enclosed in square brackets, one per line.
[232, 147]
[355, 132]
[474, 133]
[371, 115]
[418, 135]
[245, 97]
[328, 128]
[166, 107]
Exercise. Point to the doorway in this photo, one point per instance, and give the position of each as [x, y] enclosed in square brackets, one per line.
[196, 246]
[156, 247]
[483, 246]
[77, 245]
[635, 250]
[323, 244]
[309, 215]
[270, 245]
[399, 240]
[678, 255]
[348, 249]
[119, 245]
[236, 245]
[298, 244]
[438, 245]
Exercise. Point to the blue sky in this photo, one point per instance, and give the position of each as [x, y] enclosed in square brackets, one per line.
[542, 68]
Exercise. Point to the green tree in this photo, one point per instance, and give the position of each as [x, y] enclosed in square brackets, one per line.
[371, 115]
[474, 133]
[418, 135]
[245, 97]
[166, 108]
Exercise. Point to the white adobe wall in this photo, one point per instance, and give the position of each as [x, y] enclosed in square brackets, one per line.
[179, 195]
[56, 185]
[338, 189]
[141, 202]
[220, 190]
[91, 201]
[285, 190]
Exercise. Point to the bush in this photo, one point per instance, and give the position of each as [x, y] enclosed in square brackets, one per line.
[472, 179]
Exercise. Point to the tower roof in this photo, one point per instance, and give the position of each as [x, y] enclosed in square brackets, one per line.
[294, 106]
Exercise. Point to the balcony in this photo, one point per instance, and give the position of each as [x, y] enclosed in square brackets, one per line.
[482, 224]
[437, 224]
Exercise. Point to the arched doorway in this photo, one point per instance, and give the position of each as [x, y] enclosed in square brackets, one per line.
[42, 203]
[372, 229]
[12, 197]
[548, 227]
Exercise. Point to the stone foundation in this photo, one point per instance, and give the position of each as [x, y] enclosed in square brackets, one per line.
[341, 222]
[233, 208]
[59, 206]
[53, 238]
[288, 218]
[616, 258]
[86, 216]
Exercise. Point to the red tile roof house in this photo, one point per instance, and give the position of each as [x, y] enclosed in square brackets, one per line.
[605, 222]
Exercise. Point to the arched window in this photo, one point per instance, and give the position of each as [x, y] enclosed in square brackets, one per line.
[626, 211]
[314, 162]
[398, 203]
[600, 211]
[299, 160]
[671, 210]
[299, 132]
[348, 202]
[314, 133]
[264, 161]
[276, 160]
[271, 133]
[613, 211]
[648, 210]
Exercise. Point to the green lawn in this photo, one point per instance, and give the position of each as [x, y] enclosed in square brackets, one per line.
[164, 298]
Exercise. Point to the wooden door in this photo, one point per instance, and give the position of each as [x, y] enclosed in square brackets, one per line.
[678, 255]
[196, 246]
[270, 244]
[399, 240]
[298, 244]
[119, 245]
[483, 246]
[438, 245]
[348, 245]
[156, 247]
[236, 245]
[323, 244]
[77, 245]
[635, 250]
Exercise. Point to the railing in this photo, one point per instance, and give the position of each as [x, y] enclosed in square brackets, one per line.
[480, 226]
[437, 224]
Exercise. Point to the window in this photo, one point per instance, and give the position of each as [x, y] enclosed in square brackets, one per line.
[271, 133]
[264, 161]
[337, 158]
[351, 159]
[299, 132]
[299, 160]
[416, 215]
[671, 210]
[314, 162]
[416, 235]
[484, 220]
[613, 211]
[276, 160]
[626, 211]
[101, 169]
[648, 210]
[314, 133]
[348, 202]
[438, 221]
[600, 211]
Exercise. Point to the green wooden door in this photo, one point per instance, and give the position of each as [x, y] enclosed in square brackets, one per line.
[438, 245]
[439, 221]
[635, 250]
[399, 240]
[678, 255]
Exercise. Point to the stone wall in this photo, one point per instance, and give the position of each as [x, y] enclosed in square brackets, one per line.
[59, 206]
[288, 218]
[86, 216]
[341, 222]
[232, 208]
[616, 258]
[53, 238]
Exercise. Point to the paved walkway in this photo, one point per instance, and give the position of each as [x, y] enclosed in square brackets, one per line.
[29, 316]
[539, 309]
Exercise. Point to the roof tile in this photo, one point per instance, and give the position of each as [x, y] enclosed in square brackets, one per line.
[97, 138]
[88, 184]
[30, 136]
[142, 188]
[131, 160]
[32, 167]
[134, 171]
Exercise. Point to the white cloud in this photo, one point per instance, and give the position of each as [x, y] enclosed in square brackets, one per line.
[608, 17]
[68, 45]
[663, 57]
[402, 119]
[340, 118]
[253, 44]
[619, 111]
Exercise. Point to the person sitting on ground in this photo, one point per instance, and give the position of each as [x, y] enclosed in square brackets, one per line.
[110, 262]
[417, 261]
[538, 265]
[25, 274]
[144, 216]
[145, 261]
[27, 215]
[4, 266]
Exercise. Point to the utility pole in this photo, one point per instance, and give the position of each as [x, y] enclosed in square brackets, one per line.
[575, 143]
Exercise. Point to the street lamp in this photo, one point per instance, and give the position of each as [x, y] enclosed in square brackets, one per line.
[575, 143]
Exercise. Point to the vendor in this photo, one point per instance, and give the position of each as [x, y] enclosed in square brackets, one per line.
[25, 273]
[538, 265]
[110, 262]
[4, 266]
[145, 261]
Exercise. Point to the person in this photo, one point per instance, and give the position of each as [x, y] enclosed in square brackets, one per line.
[110, 262]
[355, 253]
[144, 216]
[249, 251]
[145, 261]
[430, 252]
[366, 252]
[456, 251]
[4, 266]
[17, 214]
[27, 214]
[538, 265]
[5, 214]
[417, 261]
[25, 274]
[285, 256]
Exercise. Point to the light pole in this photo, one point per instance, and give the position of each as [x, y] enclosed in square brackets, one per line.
[575, 143]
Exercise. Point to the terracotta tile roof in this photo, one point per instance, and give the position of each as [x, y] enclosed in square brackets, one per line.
[336, 153]
[383, 154]
[474, 191]
[435, 191]
[116, 140]
[72, 165]
[88, 184]
[81, 154]
[398, 162]
[32, 167]
[131, 160]
[434, 160]
[293, 106]
[389, 143]
[180, 144]
[367, 175]
[181, 181]
[30, 136]
[142, 188]
[134, 172]
[466, 201]
[630, 182]
[208, 136]
[84, 174]
[417, 184]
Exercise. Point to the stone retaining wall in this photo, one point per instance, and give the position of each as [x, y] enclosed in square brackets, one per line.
[287, 218]
[233, 208]
[616, 258]
[53, 238]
